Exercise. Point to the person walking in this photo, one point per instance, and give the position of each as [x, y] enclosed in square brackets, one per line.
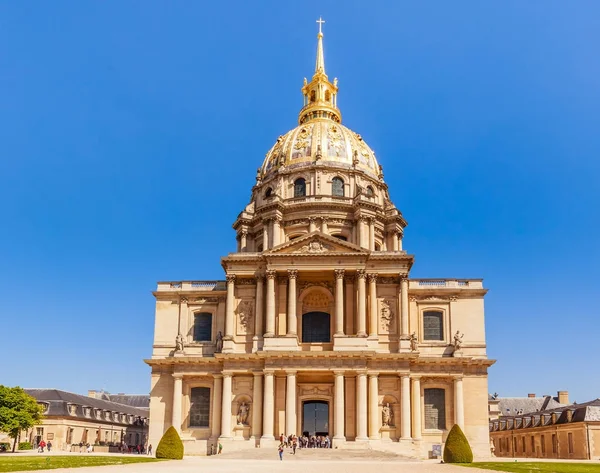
[49, 446]
[280, 450]
[294, 444]
[150, 449]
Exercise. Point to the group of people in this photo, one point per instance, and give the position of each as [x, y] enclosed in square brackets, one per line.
[42, 445]
[139, 449]
[305, 441]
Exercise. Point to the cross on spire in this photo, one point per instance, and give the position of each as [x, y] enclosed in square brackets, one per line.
[320, 21]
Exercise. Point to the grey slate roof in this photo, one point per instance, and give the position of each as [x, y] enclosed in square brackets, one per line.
[58, 403]
[134, 400]
[512, 406]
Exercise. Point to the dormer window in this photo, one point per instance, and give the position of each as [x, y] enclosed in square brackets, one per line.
[268, 193]
[45, 406]
[72, 409]
[300, 187]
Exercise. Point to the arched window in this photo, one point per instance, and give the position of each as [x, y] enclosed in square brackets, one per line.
[199, 407]
[299, 187]
[269, 193]
[435, 408]
[337, 187]
[315, 327]
[313, 96]
[203, 327]
[370, 192]
[433, 325]
[377, 247]
[327, 96]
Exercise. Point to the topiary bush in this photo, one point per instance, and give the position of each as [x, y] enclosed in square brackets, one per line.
[25, 446]
[457, 448]
[170, 446]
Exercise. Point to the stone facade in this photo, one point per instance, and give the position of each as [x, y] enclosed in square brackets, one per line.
[317, 309]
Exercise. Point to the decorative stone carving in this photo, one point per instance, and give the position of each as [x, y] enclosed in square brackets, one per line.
[316, 390]
[414, 343]
[292, 273]
[230, 278]
[245, 282]
[316, 300]
[339, 273]
[314, 246]
[219, 342]
[306, 284]
[387, 415]
[242, 415]
[458, 341]
[361, 274]
[271, 274]
[179, 343]
[387, 280]
[387, 315]
[372, 277]
[245, 312]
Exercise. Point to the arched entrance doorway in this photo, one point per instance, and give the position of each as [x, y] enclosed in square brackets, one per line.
[316, 327]
[315, 418]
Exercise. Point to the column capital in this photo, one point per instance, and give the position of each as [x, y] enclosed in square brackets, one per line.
[292, 273]
[404, 375]
[312, 219]
[361, 372]
[339, 273]
[269, 372]
[324, 219]
[372, 277]
[361, 274]
[259, 277]
[257, 374]
[230, 278]
[458, 377]
[227, 374]
[271, 273]
[266, 220]
[416, 377]
[217, 375]
[403, 278]
[277, 219]
[362, 218]
[244, 233]
[183, 300]
[339, 372]
[371, 220]
[177, 375]
[373, 374]
[290, 373]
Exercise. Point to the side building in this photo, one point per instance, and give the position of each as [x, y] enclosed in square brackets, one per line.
[70, 419]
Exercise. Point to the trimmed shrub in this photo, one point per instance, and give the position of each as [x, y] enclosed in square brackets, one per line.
[25, 446]
[170, 446]
[457, 448]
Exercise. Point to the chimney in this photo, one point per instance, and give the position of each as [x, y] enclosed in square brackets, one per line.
[531, 395]
[91, 393]
[563, 397]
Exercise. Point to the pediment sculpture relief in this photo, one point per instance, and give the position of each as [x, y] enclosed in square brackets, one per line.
[314, 246]
[387, 315]
[245, 312]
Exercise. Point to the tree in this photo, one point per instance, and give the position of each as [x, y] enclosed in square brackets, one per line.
[18, 411]
[457, 448]
[170, 445]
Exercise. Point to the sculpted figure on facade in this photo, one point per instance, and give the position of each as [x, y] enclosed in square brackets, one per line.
[242, 415]
[414, 342]
[387, 315]
[219, 342]
[245, 313]
[458, 341]
[387, 415]
[179, 343]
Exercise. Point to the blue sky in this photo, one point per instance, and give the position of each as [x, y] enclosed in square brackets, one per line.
[130, 134]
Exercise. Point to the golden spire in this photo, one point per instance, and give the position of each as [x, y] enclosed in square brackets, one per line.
[320, 65]
[320, 95]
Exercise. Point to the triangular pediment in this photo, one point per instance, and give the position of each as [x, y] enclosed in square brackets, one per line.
[316, 243]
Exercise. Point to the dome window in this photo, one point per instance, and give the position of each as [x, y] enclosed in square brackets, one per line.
[313, 96]
[337, 187]
[269, 193]
[327, 96]
[299, 187]
[370, 192]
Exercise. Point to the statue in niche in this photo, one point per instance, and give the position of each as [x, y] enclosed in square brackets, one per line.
[414, 343]
[179, 343]
[387, 315]
[387, 415]
[242, 415]
[219, 342]
[458, 340]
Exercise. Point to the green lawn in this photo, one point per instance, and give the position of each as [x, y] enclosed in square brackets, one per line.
[537, 467]
[30, 462]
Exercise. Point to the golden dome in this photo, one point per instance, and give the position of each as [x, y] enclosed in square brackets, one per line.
[321, 141]
[320, 138]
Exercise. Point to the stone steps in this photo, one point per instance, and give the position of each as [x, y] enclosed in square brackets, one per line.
[314, 454]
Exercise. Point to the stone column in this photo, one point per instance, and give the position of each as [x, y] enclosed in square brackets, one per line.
[268, 407]
[271, 275]
[362, 304]
[404, 305]
[290, 403]
[339, 301]
[372, 234]
[362, 241]
[311, 224]
[374, 406]
[244, 240]
[292, 320]
[257, 394]
[416, 411]
[276, 230]
[384, 242]
[400, 235]
[265, 223]
[395, 241]
[405, 407]
[340, 412]
[361, 406]
[258, 309]
[372, 305]
[229, 306]
[459, 407]
[226, 407]
[216, 405]
[239, 243]
[324, 228]
[177, 395]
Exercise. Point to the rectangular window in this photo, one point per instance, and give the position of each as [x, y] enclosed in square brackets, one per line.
[435, 409]
[554, 443]
[199, 407]
[433, 325]
[532, 444]
[543, 442]
[203, 327]
[514, 445]
[571, 448]
[523, 445]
